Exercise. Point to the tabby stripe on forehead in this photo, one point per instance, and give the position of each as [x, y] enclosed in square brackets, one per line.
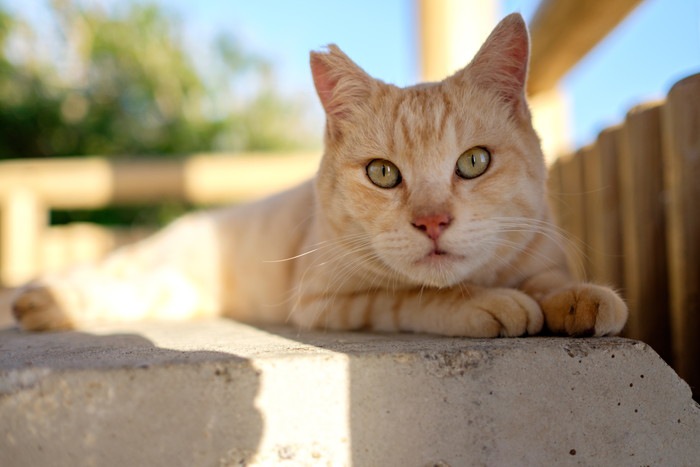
[395, 110]
[446, 112]
[406, 131]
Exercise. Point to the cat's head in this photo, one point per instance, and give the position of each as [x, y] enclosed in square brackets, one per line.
[432, 183]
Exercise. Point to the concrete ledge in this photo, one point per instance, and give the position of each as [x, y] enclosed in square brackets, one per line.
[222, 393]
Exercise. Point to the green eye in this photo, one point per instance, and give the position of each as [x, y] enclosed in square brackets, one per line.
[383, 173]
[473, 162]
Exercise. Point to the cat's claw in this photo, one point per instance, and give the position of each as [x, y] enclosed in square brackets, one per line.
[584, 310]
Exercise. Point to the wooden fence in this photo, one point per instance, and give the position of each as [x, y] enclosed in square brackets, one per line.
[631, 203]
[30, 189]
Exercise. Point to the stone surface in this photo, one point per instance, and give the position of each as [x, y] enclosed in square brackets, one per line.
[223, 393]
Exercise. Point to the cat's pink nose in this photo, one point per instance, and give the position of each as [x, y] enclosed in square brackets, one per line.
[433, 225]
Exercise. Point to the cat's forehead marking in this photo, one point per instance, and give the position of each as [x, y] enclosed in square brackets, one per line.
[420, 116]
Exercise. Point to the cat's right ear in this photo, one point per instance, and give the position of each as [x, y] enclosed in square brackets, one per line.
[501, 63]
[340, 83]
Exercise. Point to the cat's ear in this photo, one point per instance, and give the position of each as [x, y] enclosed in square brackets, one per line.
[502, 61]
[339, 82]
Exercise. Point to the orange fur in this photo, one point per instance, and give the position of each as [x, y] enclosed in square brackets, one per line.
[436, 253]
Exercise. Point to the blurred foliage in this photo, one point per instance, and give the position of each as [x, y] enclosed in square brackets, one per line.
[116, 79]
[119, 81]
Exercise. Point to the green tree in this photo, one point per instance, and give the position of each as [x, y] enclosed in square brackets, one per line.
[121, 82]
[118, 80]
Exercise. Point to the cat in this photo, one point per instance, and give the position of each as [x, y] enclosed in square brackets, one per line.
[428, 214]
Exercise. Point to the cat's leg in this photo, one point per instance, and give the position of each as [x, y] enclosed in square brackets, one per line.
[576, 308]
[462, 311]
[172, 275]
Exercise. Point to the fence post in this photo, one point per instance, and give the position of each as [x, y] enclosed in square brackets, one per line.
[681, 145]
[572, 211]
[642, 212]
[23, 216]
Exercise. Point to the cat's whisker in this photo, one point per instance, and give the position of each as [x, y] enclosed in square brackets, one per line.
[340, 275]
[554, 233]
[499, 263]
[464, 290]
[485, 232]
[345, 254]
[517, 247]
[320, 246]
[335, 247]
[301, 255]
[572, 248]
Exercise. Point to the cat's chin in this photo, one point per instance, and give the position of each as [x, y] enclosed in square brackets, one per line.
[438, 269]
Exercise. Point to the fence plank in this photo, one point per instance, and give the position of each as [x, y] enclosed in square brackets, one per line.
[642, 212]
[681, 147]
[602, 210]
[572, 211]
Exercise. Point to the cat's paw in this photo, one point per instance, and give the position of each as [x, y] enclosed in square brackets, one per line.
[507, 313]
[42, 307]
[584, 310]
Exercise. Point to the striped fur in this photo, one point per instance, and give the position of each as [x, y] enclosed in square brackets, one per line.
[437, 253]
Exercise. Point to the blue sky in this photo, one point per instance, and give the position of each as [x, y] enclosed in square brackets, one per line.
[656, 45]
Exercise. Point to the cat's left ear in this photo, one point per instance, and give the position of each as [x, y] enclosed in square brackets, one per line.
[502, 61]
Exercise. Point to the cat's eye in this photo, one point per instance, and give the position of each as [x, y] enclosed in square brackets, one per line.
[383, 173]
[473, 162]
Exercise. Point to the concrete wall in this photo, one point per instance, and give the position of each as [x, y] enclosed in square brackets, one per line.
[221, 393]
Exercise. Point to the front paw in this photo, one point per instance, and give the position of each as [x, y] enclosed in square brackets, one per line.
[505, 313]
[584, 310]
[42, 307]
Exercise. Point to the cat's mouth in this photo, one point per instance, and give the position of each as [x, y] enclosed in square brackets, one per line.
[438, 254]
[437, 267]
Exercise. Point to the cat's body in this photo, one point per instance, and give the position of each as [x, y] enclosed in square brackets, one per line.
[429, 214]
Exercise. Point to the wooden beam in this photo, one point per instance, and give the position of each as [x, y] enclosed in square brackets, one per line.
[602, 216]
[87, 183]
[445, 44]
[563, 32]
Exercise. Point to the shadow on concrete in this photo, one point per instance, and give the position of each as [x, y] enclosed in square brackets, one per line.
[139, 404]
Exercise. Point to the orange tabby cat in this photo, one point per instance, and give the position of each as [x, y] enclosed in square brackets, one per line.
[428, 214]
